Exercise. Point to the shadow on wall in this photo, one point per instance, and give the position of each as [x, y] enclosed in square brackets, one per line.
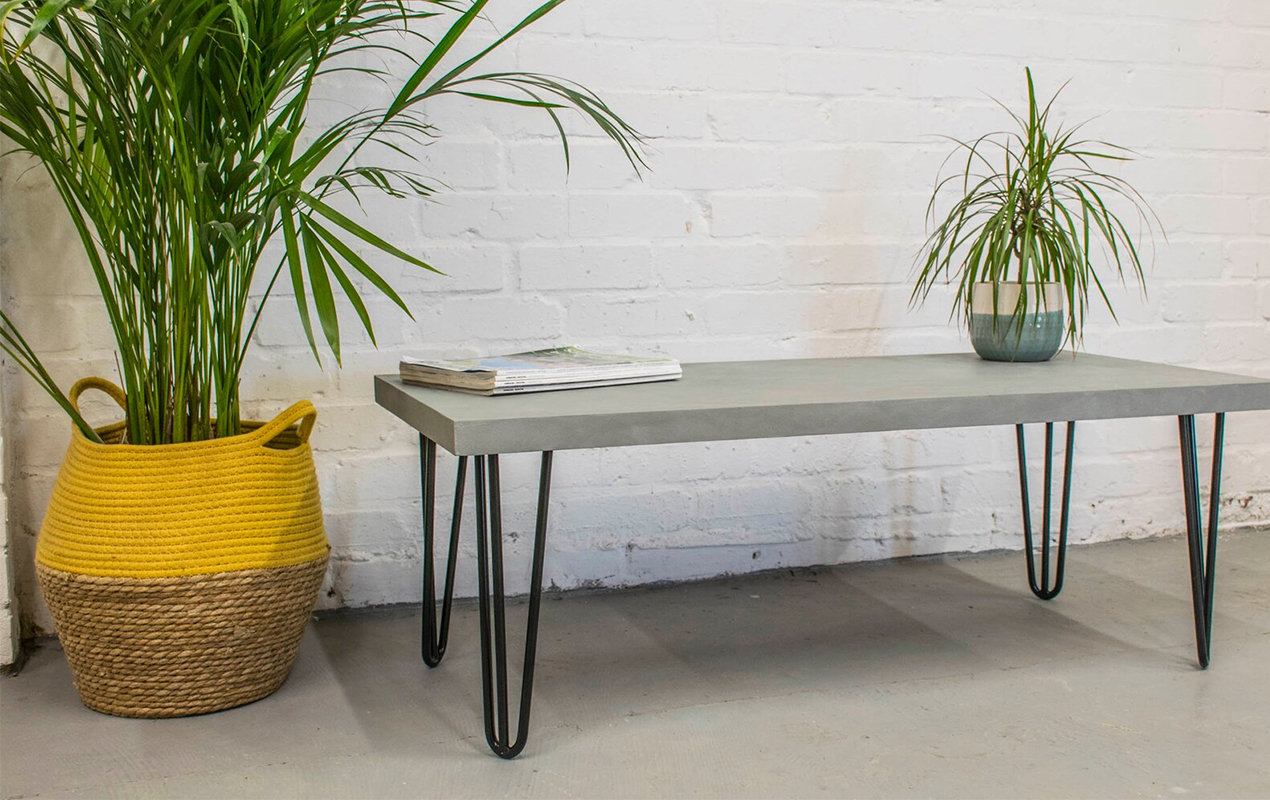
[833, 256]
[854, 263]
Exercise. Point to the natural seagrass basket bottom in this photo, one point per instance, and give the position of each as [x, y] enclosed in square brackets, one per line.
[170, 647]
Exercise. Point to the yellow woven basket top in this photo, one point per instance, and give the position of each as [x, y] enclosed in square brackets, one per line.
[242, 502]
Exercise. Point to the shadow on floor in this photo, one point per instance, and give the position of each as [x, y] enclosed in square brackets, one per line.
[602, 657]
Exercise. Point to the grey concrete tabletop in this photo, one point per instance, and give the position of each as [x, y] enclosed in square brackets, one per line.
[802, 397]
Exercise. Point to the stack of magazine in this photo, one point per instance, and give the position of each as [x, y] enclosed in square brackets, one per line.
[538, 371]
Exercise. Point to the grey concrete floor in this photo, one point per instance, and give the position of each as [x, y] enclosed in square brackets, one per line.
[936, 677]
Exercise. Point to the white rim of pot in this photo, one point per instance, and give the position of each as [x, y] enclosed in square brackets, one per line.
[1006, 297]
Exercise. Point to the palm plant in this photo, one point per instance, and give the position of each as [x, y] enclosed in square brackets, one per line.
[177, 134]
[1041, 212]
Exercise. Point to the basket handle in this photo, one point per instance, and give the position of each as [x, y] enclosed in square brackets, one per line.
[302, 412]
[101, 384]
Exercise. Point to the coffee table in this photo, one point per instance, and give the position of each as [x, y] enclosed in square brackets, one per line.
[803, 397]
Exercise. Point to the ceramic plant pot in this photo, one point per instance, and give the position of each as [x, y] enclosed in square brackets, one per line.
[999, 333]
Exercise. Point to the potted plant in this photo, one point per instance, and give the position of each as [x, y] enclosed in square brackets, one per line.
[183, 546]
[1034, 213]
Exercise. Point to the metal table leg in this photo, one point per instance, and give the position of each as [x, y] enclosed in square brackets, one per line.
[434, 634]
[489, 550]
[494, 683]
[1203, 555]
[1044, 589]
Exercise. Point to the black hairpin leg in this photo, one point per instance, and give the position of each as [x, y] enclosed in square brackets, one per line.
[1044, 589]
[1203, 554]
[489, 551]
[434, 633]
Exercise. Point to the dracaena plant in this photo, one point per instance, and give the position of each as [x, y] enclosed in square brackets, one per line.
[178, 134]
[1034, 205]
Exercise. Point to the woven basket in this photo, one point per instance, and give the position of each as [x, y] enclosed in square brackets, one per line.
[181, 577]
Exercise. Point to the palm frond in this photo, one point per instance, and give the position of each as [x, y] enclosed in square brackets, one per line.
[177, 133]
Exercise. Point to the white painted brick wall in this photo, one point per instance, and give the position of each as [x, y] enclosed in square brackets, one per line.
[8, 609]
[8, 615]
[797, 144]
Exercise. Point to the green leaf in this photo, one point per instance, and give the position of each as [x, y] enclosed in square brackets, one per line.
[455, 73]
[320, 284]
[47, 13]
[440, 51]
[361, 233]
[290, 238]
[350, 291]
[359, 264]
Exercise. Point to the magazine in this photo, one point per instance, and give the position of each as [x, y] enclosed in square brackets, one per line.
[539, 370]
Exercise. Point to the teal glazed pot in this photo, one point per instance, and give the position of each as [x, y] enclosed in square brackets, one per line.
[998, 333]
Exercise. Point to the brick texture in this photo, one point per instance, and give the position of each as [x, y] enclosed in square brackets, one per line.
[797, 142]
[8, 615]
